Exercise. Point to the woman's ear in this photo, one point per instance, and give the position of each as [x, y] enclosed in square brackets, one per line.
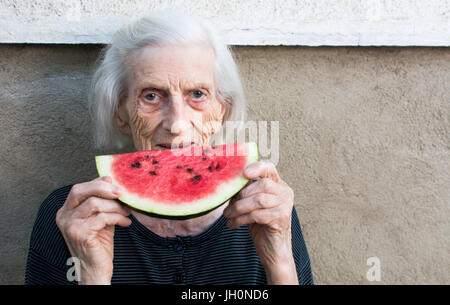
[122, 118]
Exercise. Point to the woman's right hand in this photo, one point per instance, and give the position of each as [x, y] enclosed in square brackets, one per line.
[86, 221]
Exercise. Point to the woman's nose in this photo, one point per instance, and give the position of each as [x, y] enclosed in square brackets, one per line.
[176, 121]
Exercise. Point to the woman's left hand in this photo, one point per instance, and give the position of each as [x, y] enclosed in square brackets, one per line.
[265, 205]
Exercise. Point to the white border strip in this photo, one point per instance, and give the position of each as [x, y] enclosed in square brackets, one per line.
[303, 22]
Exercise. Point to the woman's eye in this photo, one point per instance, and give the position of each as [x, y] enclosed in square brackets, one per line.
[151, 97]
[197, 94]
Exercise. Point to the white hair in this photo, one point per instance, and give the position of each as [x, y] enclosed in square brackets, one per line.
[109, 83]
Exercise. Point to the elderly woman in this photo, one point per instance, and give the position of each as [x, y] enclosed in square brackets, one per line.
[167, 81]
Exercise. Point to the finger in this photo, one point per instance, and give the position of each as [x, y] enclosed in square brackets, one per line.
[264, 217]
[101, 220]
[94, 205]
[264, 185]
[262, 169]
[249, 204]
[238, 196]
[100, 187]
[243, 193]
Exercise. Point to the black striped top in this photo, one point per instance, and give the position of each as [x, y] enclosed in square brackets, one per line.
[217, 256]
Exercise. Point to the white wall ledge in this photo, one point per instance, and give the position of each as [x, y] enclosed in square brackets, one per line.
[251, 22]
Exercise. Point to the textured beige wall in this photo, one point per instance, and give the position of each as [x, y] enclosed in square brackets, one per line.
[364, 135]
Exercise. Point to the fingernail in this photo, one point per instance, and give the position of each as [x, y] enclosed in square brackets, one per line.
[250, 171]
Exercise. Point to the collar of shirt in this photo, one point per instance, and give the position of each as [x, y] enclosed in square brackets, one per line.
[213, 230]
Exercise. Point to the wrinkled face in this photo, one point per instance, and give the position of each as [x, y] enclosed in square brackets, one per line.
[171, 97]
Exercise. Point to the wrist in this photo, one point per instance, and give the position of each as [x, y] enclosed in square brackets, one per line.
[281, 272]
[282, 257]
[90, 278]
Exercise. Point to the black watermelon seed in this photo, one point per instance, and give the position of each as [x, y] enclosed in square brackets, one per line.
[204, 159]
[178, 166]
[152, 173]
[147, 157]
[155, 161]
[210, 168]
[218, 167]
[189, 170]
[196, 178]
[133, 165]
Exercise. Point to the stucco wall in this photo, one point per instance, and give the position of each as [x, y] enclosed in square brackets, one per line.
[364, 135]
[249, 22]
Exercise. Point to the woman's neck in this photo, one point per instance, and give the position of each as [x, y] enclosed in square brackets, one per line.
[173, 228]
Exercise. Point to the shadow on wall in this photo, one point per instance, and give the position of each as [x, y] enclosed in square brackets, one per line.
[46, 142]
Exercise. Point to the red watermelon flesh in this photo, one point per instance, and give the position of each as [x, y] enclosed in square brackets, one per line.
[180, 183]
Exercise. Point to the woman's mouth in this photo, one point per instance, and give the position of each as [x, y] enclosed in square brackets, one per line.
[174, 145]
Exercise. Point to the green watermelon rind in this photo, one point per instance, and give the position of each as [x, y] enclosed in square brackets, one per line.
[197, 208]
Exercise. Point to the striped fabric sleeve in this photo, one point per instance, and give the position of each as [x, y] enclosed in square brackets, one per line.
[300, 252]
[48, 253]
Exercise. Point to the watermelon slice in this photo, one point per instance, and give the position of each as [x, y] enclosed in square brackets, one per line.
[180, 183]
